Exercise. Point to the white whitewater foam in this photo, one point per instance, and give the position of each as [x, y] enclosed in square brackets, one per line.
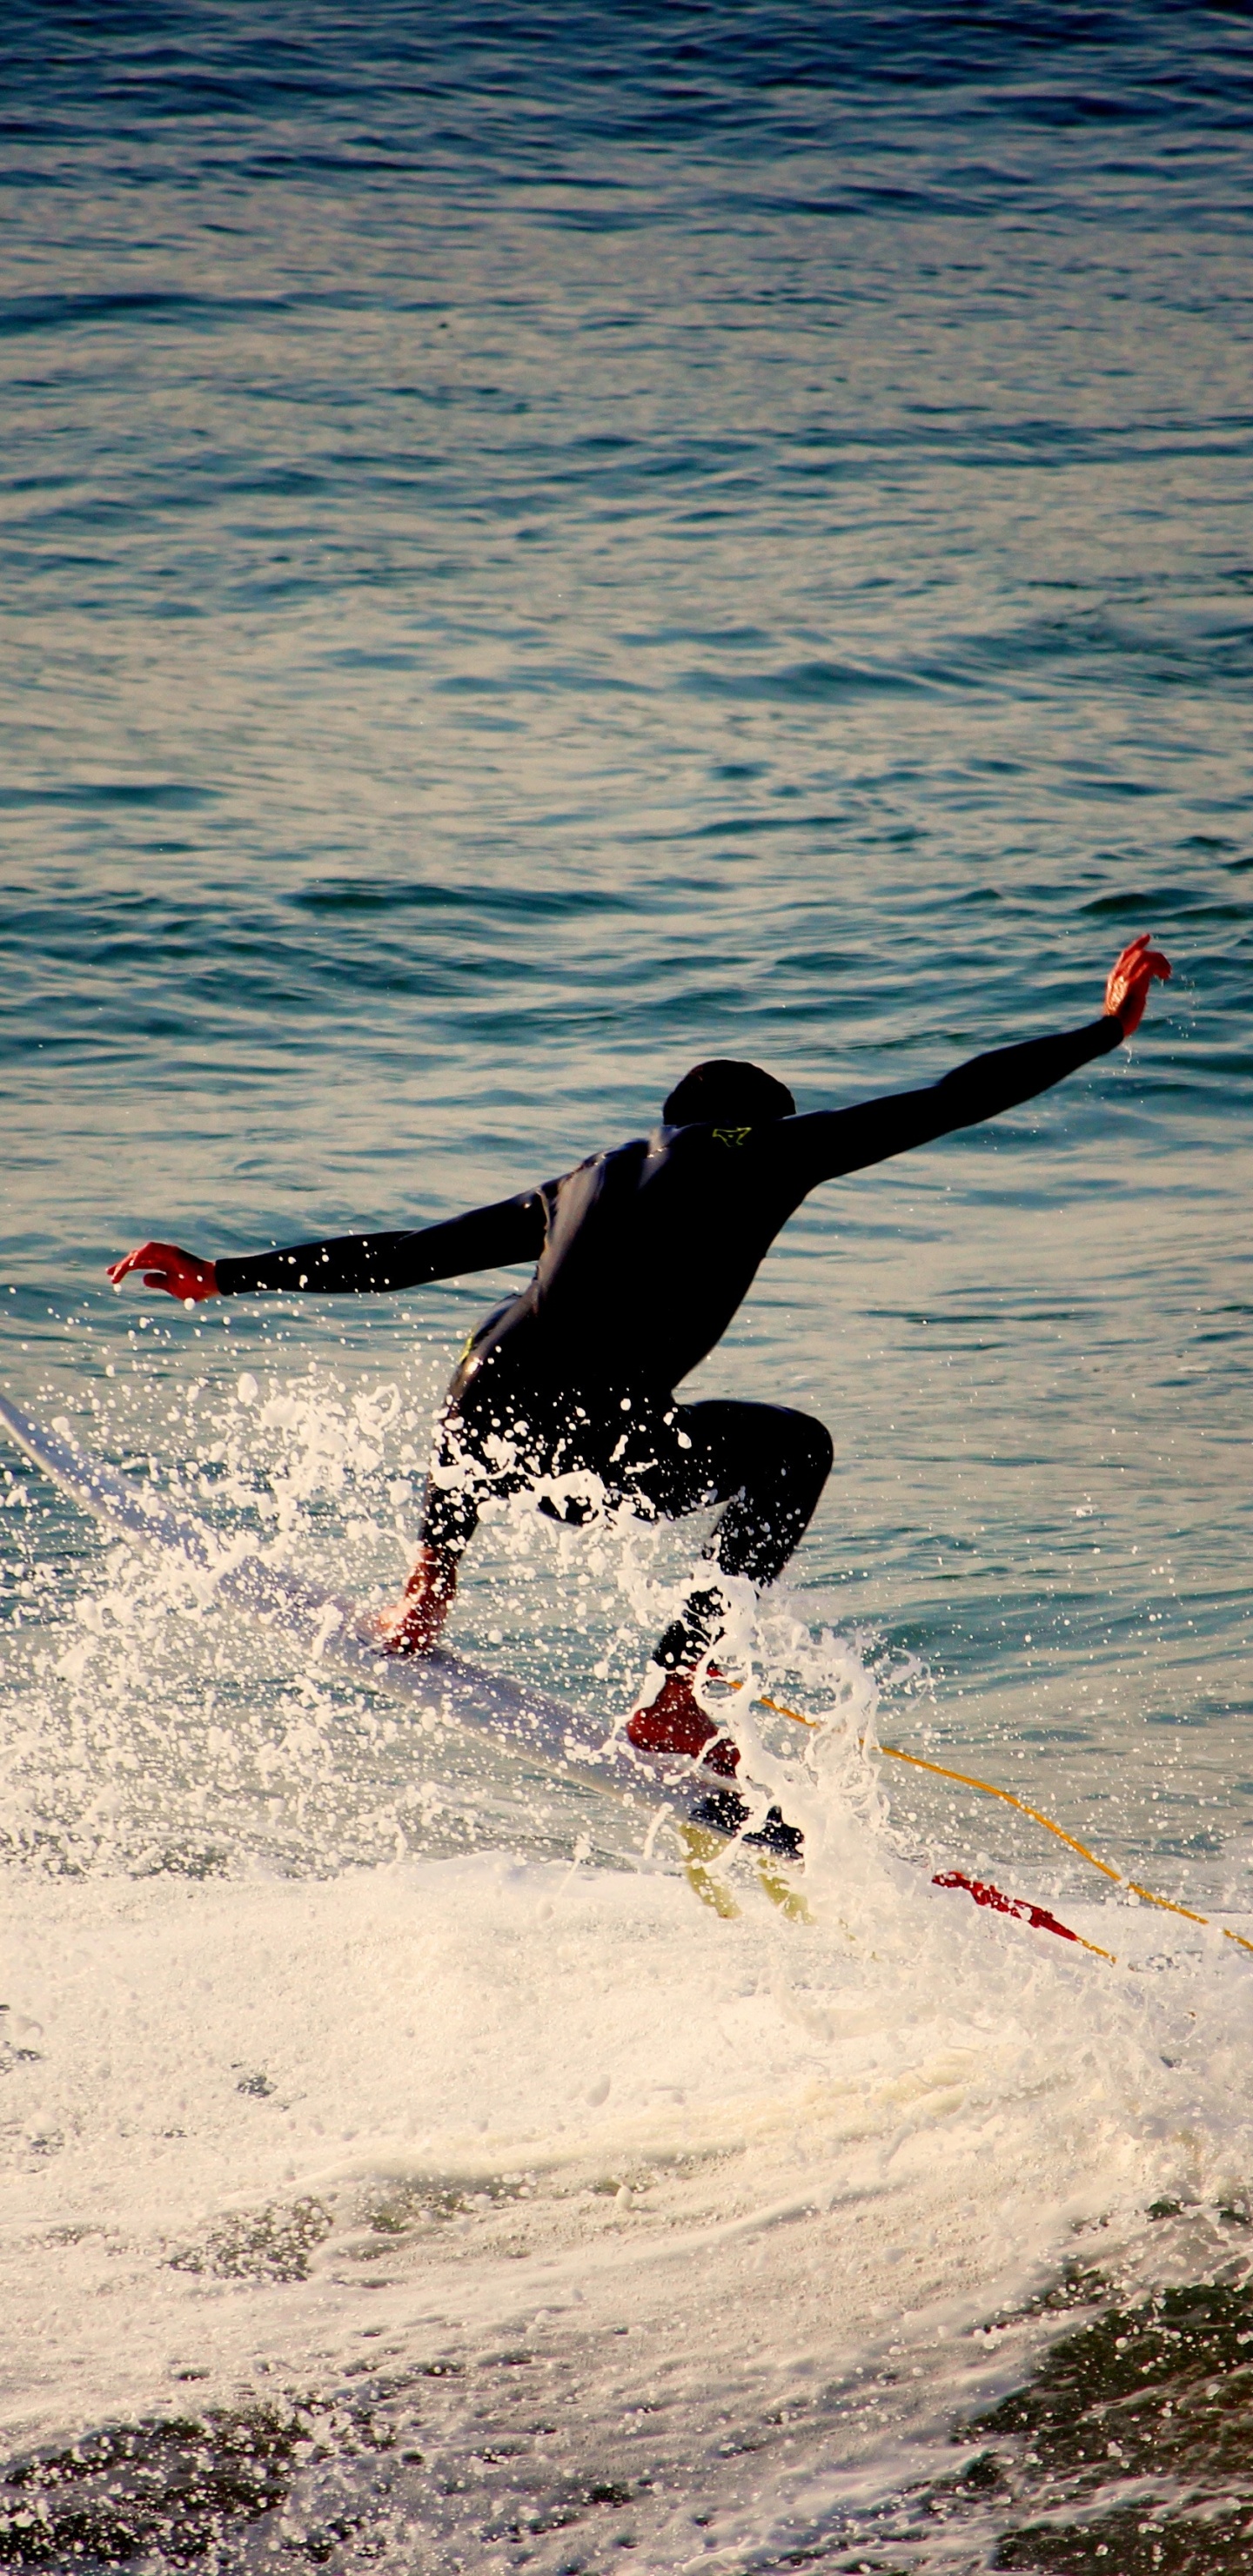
[464, 2096]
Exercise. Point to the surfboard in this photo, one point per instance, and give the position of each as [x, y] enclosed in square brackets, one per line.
[571, 1746]
[629, 1794]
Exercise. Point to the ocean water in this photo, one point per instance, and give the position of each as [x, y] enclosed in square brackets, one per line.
[540, 545]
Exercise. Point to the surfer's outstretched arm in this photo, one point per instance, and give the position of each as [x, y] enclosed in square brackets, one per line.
[834, 1141]
[490, 1238]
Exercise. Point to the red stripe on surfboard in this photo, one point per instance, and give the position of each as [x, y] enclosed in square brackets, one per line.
[1019, 1907]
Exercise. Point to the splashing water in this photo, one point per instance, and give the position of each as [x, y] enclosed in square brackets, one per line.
[391, 2102]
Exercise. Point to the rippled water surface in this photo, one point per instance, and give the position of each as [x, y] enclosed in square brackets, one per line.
[540, 545]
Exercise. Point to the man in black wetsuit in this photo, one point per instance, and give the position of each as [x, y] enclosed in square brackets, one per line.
[643, 1255]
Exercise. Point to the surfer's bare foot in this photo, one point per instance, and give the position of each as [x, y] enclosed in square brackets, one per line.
[414, 1625]
[675, 1722]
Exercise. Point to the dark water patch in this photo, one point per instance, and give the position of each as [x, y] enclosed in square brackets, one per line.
[196, 1861]
[759, 826]
[348, 895]
[1158, 2396]
[1164, 901]
[1130, 2543]
[128, 305]
[1125, 2449]
[621, 72]
[808, 683]
[170, 2488]
[272, 2244]
[176, 794]
[1142, 660]
[179, 2491]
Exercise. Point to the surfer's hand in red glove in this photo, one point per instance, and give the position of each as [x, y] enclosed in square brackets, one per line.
[164, 1266]
[1129, 979]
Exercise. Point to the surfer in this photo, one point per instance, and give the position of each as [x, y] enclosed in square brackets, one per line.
[643, 1254]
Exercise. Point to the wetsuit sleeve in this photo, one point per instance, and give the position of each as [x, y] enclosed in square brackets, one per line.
[488, 1238]
[845, 1140]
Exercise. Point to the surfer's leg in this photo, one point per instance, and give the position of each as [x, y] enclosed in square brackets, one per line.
[768, 1464]
[495, 1439]
[771, 1463]
[414, 1625]
[456, 1479]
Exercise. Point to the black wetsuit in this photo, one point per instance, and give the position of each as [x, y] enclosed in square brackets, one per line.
[643, 1255]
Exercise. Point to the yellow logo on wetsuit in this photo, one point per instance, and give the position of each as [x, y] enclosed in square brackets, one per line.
[732, 1135]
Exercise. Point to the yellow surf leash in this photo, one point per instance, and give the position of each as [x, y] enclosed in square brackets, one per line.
[965, 1780]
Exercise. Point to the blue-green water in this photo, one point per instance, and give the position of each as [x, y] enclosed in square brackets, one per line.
[540, 546]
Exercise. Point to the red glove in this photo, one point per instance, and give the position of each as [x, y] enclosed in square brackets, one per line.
[164, 1266]
[1130, 976]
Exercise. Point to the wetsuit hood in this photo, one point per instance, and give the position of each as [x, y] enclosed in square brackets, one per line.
[728, 1092]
